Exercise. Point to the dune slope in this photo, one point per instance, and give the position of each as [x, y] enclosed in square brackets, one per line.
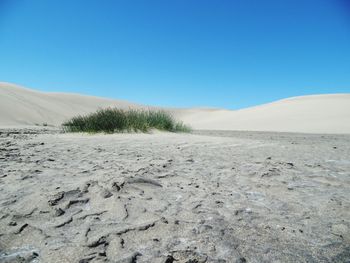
[21, 106]
[328, 113]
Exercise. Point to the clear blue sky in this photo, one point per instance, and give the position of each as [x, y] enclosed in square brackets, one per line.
[232, 54]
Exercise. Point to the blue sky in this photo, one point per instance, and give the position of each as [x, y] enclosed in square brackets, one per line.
[183, 53]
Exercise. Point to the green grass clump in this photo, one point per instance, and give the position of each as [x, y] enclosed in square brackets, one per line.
[112, 120]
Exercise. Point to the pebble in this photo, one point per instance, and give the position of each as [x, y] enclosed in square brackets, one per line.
[59, 212]
[105, 193]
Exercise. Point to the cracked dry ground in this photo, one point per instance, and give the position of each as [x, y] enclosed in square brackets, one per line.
[213, 197]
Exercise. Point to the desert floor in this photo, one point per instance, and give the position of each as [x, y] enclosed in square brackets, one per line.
[162, 197]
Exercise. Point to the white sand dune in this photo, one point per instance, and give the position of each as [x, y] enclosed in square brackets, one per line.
[328, 113]
[22, 106]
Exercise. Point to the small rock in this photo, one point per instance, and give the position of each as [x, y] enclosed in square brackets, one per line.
[169, 259]
[248, 210]
[56, 198]
[26, 177]
[105, 193]
[59, 212]
[116, 187]
[12, 223]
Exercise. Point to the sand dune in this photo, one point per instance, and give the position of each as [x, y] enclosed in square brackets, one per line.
[309, 114]
[328, 113]
[21, 106]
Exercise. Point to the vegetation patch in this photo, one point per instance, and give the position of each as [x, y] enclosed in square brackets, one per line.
[112, 120]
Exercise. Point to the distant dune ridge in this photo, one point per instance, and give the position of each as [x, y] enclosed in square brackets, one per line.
[329, 113]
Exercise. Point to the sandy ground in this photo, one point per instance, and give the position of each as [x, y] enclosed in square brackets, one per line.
[208, 197]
